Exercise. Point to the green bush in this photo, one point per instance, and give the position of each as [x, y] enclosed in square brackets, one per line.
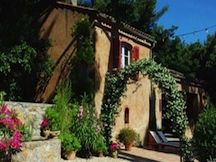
[100, 145]
[59, 115]
[54, 119]
[205, 134]
[69, 142]
[127, 135]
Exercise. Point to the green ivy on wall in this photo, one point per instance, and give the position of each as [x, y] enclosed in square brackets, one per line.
[82, 73]
[116, 85]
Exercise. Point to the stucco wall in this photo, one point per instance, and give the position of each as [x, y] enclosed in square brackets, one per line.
[144, 51]
[102, 54]
[138, 94]
[136, 99]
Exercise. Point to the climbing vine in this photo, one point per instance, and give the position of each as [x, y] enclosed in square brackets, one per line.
[116, 85]
[82, 74]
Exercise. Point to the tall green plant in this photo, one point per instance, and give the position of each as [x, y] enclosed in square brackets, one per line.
[59, 115]
[85, 126]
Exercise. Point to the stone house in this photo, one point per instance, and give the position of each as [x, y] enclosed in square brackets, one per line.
[116, 45]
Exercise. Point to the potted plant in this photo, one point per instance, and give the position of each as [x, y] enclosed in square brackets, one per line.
[70, 145]
[127, 136]
[100, 146]
[113, 149]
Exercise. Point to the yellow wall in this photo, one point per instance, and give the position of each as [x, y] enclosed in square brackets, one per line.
[136, 98]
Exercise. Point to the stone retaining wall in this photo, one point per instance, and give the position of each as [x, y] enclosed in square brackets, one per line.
[30, 114]
[39, 151]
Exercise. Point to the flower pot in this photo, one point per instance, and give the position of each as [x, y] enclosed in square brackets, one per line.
[70, 155]
[49, 134]
[100, 154]
[128, 146]
[114, 154]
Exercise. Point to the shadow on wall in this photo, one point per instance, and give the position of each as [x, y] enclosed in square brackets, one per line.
[60, 72]
[98, 76]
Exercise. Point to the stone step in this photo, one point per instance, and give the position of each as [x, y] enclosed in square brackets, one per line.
[39, 151]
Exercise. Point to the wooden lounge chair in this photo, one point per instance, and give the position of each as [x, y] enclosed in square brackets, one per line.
[164, 139]
[160, 141]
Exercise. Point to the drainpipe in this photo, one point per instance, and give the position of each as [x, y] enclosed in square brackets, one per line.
[74, 2]
[151, 49]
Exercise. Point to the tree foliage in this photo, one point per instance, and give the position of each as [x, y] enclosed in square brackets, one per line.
[141, 14]
[20, 48]
[196, 60]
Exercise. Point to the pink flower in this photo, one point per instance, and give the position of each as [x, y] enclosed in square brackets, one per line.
[3, 145]
[15, 142]
[10, 139]
[8, 122]
[113, 147]
[80, 113]
[17, 121]
[4, 110]
[44, 123]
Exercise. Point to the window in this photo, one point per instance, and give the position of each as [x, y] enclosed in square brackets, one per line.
[125, 54]
[126, 116]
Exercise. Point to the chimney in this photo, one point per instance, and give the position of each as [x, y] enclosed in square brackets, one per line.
[74, 2]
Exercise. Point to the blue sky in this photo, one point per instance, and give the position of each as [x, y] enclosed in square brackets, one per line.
[189, 16]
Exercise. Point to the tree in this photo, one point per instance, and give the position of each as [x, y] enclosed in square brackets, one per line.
[207, 71]
[138, 13]
[20, 47]
[171, 52]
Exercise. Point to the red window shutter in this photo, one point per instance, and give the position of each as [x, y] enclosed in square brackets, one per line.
[135, 53]
[116, 53]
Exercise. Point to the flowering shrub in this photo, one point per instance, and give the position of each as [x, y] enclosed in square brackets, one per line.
[86, 127]
[113, 147]
[45, 123]
[10, 130]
